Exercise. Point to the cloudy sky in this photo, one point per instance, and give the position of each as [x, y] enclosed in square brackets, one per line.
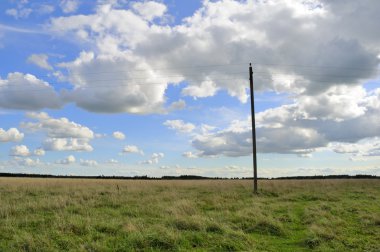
[157, 88]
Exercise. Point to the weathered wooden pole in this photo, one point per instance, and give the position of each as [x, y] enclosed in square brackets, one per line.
[253, 129]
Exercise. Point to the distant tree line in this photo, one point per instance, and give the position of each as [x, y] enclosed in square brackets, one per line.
[185, 177]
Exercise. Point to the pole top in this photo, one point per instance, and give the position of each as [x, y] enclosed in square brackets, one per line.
[250, 64]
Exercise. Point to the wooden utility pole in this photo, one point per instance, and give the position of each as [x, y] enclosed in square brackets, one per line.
[253, 129]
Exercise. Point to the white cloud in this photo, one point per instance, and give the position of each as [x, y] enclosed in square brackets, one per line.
[62, 134]
[67, 144]
[11, 135]
[189, 154]
[236, 140]
[28, 162]
[20, 151]
[178, 105]
[319, 68]
[39, 152]
[69, 6]
[206, 128]
[40, 60]
[128, 93]
[66, 161]
[149, 9]
[112, 161]
[164, 167]
[132, 149]
[226, 143]
[26, 92]
[19, 13]
[57, 128]
[331, 125]
[221, 32]
[364, 148]
[98, 135]
[118, 135]
[45, 9]
[88, 162]
[155, 158]
[232, 167]
[336, 103]
[205, 89]
[14, 29]
[302, 129]
[299, 128]
[179, 126]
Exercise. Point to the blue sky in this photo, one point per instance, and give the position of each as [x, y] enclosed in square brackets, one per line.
[161, 87]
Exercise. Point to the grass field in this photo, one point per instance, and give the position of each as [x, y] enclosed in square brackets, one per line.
[213, 215]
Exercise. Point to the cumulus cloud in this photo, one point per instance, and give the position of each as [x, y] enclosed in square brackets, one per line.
[112, 161]
[177, 105]
[67, 144]
[118, 135]
[20, 151]
[367, 147]
[28, 162]
[45, 9]
[39, 152]
[62, 134]
[180, 126]
[226, 142]
[57, 128]
[232, 167]
[40, 60]
[302, 129]
[66, 161]
[27, 92]
[149, 9]
[205, 89]
[19, 13]
[132, 149]
[336, 103]
[330, 125]
[128, 93]
[84, 162]
[189, 154]
[11, 135]
[155, 158]
[69, 6]
[301, 55]
[319, 54]
[205, 128]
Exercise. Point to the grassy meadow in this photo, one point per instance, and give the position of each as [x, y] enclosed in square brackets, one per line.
[211, 215]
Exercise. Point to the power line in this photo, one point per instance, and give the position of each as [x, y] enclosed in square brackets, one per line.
[2, 90]
[162, 77]
[222, 65]
[184, 75]
[168, 68]
[299, 82]
[101, 86]
[317, 66]
[261, 74]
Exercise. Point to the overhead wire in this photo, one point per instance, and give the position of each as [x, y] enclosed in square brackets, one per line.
[261, 74]
[86, 87]
[102, 86]
[153, 69]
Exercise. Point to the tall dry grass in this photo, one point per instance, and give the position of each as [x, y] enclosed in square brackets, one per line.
[218, 215]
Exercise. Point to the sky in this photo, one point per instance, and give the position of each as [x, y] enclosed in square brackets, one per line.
[130, 88]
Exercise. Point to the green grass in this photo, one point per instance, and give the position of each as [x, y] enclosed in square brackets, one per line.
[110, 215]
